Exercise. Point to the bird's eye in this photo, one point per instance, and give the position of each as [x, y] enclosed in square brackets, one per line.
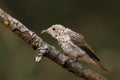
[53, 29]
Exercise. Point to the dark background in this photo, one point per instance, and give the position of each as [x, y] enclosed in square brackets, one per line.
[97, 20]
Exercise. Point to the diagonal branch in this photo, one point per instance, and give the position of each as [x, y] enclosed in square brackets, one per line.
[47, 50]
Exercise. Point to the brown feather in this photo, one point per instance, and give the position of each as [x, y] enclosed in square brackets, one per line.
[78, 40]
[89, 60]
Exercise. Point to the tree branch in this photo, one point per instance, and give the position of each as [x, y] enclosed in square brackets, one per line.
[47, 50]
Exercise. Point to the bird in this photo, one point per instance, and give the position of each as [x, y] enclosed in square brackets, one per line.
[74, 45]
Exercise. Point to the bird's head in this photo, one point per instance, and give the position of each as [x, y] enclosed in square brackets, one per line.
[55, 30]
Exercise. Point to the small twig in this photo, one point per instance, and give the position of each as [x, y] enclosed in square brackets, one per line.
[47, 50]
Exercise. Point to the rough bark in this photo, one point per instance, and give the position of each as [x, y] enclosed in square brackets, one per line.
[47, 50]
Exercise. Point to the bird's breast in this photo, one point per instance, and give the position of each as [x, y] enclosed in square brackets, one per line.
[71, 50]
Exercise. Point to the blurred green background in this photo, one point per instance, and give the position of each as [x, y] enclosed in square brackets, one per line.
[97, 20]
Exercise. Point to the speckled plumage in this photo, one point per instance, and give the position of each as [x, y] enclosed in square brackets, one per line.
[74, 45]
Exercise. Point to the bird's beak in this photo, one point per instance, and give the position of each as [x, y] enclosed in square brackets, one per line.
[44, 31]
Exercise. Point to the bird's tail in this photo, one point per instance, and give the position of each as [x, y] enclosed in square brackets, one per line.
[99, 64]
[96, 62]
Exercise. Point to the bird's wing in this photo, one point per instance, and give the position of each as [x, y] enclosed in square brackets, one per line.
[78, 40]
